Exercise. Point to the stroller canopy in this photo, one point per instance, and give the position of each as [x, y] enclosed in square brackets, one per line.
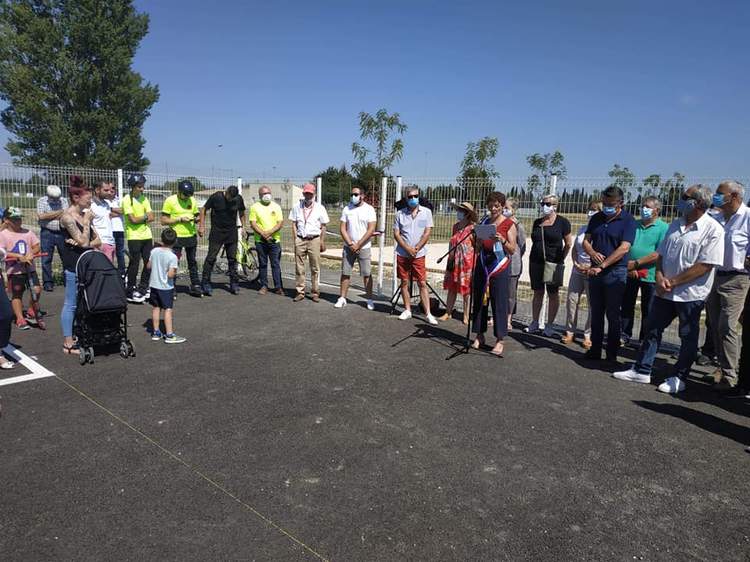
[99, 283]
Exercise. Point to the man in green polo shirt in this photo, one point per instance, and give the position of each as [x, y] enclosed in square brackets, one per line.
[179, 211]
[650, 231]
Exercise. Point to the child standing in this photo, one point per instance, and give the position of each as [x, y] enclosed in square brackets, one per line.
[20, 245]
[163, 266]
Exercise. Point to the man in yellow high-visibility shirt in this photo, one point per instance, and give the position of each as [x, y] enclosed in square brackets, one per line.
[136, 209]
[180, 211]
[266, 220]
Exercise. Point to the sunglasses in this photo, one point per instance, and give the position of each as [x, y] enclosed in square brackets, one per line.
[413, 196]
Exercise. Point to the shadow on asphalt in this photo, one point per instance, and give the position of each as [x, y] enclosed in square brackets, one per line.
[705, 421]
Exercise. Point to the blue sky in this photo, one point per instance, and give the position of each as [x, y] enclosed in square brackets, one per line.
[658, 86]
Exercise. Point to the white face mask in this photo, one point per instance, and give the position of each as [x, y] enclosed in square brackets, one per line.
[591, 213]
[507, 213]
[460, 215]
[547, 209]
[266, 198]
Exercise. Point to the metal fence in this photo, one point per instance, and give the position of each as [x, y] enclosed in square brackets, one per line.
[22, 186]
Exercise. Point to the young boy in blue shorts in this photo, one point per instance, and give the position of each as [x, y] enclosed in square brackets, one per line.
[163, 265]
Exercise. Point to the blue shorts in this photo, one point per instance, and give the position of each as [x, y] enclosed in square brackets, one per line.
[162, 298]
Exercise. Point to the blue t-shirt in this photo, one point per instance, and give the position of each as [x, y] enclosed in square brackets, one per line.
[162, 260]
[606, 236]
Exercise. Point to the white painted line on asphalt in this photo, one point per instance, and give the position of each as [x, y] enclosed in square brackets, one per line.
[37, 370]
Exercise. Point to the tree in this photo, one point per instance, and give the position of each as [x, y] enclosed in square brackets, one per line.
[477, 170]
[477, 160]
[622, 176]
[65, 74]
[546, 166]
[336, 184]
[651, 184]
[379, 129]
[672, 189]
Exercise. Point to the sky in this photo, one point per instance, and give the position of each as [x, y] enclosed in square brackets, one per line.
[658, 86]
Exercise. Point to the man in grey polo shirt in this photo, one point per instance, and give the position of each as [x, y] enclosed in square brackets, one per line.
[411, 229]
[49, 209]
[727, 298]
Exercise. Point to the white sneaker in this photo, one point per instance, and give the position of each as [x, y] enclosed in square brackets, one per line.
[431, 319]
[341, 303]
[631, 375]
[548, 332]
[370, 304]
[7, 365]
[405, 315]
[532, 328]
[672, 385]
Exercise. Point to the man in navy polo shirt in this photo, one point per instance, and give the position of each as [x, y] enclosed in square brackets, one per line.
[608, 238]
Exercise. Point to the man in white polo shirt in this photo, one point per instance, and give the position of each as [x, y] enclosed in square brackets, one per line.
[692, 248]
[727, 298]
[310, 220]
[357, 227]
[102, 221]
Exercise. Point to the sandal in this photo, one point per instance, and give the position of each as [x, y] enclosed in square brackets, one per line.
[71, 349]
[498, 353]
[478, 342]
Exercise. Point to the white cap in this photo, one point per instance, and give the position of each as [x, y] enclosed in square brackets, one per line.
[54, 191]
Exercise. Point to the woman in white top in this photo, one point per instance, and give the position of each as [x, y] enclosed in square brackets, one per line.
[579, 285]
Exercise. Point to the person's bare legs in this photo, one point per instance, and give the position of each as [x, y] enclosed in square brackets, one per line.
[536, 305]
[17, 306]
[155, 324]
[553, 307]
[424, 296]
[345, 280]
[466, 309]
[168, 328]
[405, 294]
[450, 302]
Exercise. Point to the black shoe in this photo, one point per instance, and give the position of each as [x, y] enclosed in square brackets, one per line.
[736, 392]
[611, 358]
[49, 288]
[196, 291]
[207, 289]
[234, 288]
[592, 355]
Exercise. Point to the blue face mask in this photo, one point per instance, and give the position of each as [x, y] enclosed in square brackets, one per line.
[718, 199]
[412, 201]
[355, 199]
[647, 213]
[609, 211]
[685, 206]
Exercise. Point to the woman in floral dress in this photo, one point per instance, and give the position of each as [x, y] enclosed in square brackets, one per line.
[460, 261]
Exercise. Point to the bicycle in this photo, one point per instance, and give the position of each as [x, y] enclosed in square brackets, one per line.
[247, 261]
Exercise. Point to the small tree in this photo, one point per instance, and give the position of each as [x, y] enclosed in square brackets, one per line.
[379, 129]
[651, 184]
[545, 166]
[336, 184]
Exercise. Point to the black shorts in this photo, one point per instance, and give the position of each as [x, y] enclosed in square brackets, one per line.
[18, 282]
[536, 277]
[162, 298]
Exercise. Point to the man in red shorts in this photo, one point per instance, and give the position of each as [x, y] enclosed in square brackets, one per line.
[411, 229]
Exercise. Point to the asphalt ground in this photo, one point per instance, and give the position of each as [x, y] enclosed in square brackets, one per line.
[296, 431]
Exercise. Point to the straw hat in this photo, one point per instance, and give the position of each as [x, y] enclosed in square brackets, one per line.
[468, 208]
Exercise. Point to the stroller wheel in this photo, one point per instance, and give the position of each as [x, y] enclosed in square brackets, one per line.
[131, 351]
[91, 355]
[83, 356]
[124, 350]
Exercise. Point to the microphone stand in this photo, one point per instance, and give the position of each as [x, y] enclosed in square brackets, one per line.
[467, 341]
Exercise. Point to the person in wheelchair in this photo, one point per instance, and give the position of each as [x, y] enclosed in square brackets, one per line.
[225, 207]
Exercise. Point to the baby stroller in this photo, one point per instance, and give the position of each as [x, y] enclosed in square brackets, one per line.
[101, 317]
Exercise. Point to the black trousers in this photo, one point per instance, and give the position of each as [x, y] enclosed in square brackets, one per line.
[6, 319]
[190, 245]
[632, 286]
[499, 286]
[216, 240]
[139, 250]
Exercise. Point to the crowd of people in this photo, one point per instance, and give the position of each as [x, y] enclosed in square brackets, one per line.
[698, 261]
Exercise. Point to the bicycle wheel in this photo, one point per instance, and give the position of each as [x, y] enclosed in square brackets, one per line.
[250, 265]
